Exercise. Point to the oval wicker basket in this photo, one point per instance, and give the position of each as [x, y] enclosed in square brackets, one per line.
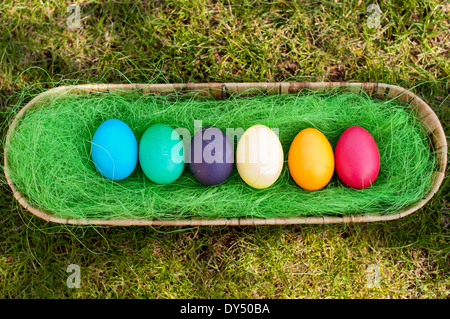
[428, 119]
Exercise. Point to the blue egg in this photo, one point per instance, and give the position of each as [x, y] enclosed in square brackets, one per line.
[114, 150]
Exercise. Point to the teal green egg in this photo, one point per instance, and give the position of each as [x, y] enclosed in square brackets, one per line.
[161, 154]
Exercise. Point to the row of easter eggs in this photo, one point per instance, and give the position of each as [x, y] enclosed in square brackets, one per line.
[259, 156]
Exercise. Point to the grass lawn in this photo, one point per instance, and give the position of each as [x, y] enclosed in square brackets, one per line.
[227, 41]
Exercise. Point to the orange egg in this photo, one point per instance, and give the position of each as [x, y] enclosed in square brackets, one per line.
[311, 159]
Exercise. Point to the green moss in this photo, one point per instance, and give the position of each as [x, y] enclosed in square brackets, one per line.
[49, 157]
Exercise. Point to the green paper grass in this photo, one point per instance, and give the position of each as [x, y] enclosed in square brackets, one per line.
[49, 157]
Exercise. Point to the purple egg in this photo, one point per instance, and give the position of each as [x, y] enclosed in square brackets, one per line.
[211, 156]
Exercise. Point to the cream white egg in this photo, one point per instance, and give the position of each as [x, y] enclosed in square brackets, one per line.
[259, 156]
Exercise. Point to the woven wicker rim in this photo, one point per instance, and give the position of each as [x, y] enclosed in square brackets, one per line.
[428, 119]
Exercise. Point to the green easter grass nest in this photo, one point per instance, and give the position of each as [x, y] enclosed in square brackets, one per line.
[49, 156]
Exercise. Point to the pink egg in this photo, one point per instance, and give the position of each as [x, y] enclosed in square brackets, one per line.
[357, 158]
